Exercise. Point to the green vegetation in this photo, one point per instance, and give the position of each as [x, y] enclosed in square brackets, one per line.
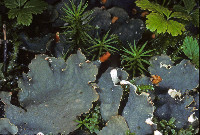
[1, 73]
[168, 127]
[161, 19]
[166, 3]
[101, 46]
[10, 69]
[128, 132]
[91, 120]
[190, 48]
[188, 131]
[77, 26]
[133, 60]
[23, 10]
[16, 44]
[172, 38]
[171, 47]
[189, 10]
[144, 88]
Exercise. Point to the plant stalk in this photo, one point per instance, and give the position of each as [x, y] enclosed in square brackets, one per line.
[5, 48]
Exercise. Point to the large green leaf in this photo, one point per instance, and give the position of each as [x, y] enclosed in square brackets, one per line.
[161, 18]
[11, 4]
[13, 13]
[191, 49]
[175, 28]
[23, 10]
[24, 18]
[158, 22]
[145, 4]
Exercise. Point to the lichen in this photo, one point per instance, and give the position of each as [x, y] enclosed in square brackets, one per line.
[137, 110]
[115, 126]
[110, 93]
[168, 107]
[183, 76]
[53, 93]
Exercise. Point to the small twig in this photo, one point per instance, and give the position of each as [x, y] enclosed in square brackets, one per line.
[4, 31]
[5, 48]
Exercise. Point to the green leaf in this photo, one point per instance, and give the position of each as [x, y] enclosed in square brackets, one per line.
[141, 66]
[24, 18]
[162, 124]
[181, 16]
[146, 5]
[156, 22]
[189, 4]
[191, 49]
[144, 53]
[36, 6]
[173, 131]
[145, 61]
[195, 17]
[179, 8]
[13, 13]
[79, 125]
[175, 28]
[23, 10]
[11, 4]
[187, 10]
[78, 121]
[141, 49]
[160, 19]
[166, 12]
[171, 121]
